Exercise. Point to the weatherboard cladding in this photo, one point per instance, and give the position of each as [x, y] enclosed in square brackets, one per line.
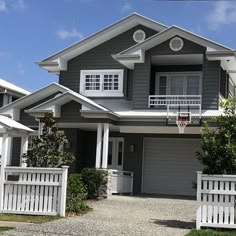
[100, 58]
[211, 73]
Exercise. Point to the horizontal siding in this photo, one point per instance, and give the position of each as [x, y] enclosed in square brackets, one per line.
[100, 58]
[211, 73]
[142, 72]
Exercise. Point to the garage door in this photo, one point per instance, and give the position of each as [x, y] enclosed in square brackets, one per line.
[170, 166]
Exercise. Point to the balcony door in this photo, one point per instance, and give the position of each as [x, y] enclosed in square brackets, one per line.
[178, 83]
[115, 153]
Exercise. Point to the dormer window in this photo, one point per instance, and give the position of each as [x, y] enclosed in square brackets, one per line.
[101, 83]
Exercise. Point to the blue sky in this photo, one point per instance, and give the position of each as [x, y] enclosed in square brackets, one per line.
[32, 30]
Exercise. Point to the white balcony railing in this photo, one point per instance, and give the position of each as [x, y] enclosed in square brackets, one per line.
[174, 100]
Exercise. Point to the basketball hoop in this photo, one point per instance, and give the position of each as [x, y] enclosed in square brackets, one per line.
[182, 123]
[182, 120]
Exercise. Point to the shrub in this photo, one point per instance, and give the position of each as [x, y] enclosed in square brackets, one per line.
[76, 188]
[76, 194]
[76, 205]
[92, 180]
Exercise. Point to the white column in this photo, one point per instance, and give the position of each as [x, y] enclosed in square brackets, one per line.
[62, 207]
[99, 146]
[23, 149]
[105, 146]
[5, 154]
[199, 193]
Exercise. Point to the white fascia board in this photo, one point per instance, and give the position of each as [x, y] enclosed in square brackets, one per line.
[108, 33]
[171, 32]
[14, 107]
[63, 99]
[99, 38]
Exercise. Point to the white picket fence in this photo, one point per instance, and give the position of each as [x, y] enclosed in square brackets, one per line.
[120, 181]
[34, 191]
[216, 196]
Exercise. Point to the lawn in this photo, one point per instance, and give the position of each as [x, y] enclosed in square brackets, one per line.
[211, 233]
[27, 218]
[5, 228]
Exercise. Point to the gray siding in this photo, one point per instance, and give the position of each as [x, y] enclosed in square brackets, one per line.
[210, 84]
[15, 154]
[223, 83]
[1, 100]
[100, 58]
[142, 72]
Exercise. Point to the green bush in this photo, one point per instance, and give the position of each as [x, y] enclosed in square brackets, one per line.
[76, 205]
[76, 188]
[92, 180]
[76, 194]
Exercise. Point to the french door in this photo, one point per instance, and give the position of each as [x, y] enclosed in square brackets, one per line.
[178, 83]
[115, 153]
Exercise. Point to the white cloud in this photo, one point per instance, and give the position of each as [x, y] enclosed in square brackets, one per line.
[223, 13]
[20, 69]
[126, 7]
[3, 6]
[3, 54]
[19, 4]
[68, 34]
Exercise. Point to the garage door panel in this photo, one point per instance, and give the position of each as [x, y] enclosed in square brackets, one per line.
[170, 166]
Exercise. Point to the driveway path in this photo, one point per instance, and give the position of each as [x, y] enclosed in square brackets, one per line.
[122, 215]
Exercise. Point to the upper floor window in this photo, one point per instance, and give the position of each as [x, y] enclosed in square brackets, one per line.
[101, 83]
[178, 83]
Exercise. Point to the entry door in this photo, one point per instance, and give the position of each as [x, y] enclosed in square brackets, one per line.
[115, 153]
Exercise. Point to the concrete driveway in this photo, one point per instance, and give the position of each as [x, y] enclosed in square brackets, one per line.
[122, 215]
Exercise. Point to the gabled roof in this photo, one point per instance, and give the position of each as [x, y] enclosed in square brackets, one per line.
[62, 96]
[58, 61]
[13, 88]
[10, 124]
[136, 53]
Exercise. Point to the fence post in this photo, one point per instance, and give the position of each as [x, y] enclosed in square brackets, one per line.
[199, 196]
[62, 205]
[131, 186]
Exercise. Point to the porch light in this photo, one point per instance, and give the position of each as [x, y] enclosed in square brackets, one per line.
[131, 148]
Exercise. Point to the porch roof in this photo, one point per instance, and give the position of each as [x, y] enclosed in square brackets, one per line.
[9, 124]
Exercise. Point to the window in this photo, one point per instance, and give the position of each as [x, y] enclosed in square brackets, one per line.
[101, 83]
[178, 83]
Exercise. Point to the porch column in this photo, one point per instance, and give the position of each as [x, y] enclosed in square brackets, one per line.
[5, 155]
[105, 146]
[99, 146]
[23, 149]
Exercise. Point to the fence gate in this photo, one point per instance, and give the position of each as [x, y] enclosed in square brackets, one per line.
[216, 201]
[34, 191]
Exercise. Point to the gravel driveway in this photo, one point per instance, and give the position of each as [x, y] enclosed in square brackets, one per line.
[122, 215]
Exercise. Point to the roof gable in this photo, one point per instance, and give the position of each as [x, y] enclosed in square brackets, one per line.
[58, 61]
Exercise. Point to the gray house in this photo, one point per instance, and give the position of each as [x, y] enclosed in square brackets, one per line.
[9, 93]
[121, 93]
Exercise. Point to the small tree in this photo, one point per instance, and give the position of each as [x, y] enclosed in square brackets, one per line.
[218, 154]
[47, 149]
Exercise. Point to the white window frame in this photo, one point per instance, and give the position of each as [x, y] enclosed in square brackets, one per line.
[168, 81]
[102, 92]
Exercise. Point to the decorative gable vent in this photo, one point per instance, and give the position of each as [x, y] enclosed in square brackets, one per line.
[139, 36]
[176, 44]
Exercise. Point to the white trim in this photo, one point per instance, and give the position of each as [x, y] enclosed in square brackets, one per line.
[181, 44]
[185, 74]
[101, 92]
[105, 146]
[99, 146]
[139, 32]
[105, 34]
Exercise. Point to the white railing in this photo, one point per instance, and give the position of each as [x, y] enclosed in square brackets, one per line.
[216, 196]
[120, 182]
[34, 191]
[174, 100]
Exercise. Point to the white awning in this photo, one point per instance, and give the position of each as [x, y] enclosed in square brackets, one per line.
[9, 124]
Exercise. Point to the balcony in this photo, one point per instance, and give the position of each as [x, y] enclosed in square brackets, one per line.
[174, 101]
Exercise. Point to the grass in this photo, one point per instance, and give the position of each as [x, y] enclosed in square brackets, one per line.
[209, 232]
[5, 228]
[27, 218]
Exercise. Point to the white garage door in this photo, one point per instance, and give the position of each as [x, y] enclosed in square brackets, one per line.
[170, 166]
